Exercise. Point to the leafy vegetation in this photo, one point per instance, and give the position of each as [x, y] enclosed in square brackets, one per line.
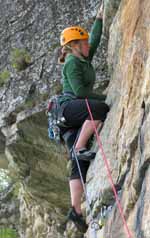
[8, 233]
[20, 59]
[4, 76]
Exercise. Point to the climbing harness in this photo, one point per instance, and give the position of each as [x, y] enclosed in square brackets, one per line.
[108, 171]
[55, 116]
[55, 119]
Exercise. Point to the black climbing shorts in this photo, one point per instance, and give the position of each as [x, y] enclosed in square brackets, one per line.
[73, 168]
[84, 165]
[75, 113]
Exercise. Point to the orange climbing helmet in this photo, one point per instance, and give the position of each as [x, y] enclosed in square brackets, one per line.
[73, 33]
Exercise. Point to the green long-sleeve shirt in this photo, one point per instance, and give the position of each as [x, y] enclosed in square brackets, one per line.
[78, 73]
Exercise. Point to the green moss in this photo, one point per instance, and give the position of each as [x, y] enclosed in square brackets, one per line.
[20, 59]
[107, 197]
[4, 76]
[124, 159]
[44, 97]
[8, 233]
[29, 103]
[130, 205]
[16, 189]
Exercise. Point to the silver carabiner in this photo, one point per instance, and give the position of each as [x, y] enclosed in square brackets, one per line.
[95, 225]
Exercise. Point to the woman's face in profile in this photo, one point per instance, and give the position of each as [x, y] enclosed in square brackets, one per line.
[84, 47]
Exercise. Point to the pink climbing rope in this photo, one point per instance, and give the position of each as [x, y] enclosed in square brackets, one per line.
[109, 172]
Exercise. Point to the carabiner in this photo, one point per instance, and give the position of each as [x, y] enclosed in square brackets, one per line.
[95, 225]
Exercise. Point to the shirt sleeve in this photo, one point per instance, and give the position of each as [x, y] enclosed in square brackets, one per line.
[95, 36]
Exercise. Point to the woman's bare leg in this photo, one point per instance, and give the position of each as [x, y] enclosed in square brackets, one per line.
[76, 188]
[76, 191]
[86, 132]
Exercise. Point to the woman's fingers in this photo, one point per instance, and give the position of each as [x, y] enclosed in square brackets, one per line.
[100, 11]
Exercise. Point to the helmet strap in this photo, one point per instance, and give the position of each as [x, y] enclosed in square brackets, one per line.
[69, 47]
[78, 50]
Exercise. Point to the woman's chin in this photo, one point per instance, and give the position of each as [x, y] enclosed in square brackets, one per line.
[86, 55]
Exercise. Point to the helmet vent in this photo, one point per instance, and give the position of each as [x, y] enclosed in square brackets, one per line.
[81, 33]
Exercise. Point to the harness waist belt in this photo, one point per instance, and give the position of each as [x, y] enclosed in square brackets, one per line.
[70, 94]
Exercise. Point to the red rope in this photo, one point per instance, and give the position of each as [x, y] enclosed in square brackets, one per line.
[109, 172]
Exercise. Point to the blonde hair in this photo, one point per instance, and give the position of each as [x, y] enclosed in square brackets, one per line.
[66, 49]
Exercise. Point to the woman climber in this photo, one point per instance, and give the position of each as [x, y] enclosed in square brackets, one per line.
[78, 73]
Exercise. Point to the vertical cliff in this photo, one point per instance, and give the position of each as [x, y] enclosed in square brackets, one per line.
[125, 135]
[30, 74]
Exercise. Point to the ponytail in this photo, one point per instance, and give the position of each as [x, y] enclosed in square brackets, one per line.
[64, 51]
[67, 49]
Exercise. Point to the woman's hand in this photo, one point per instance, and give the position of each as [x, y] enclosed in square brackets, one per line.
[100, 12]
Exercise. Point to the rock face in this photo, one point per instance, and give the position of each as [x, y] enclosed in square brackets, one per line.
[9, 210]
[126, 135]
[41, 169]
[30, 74]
